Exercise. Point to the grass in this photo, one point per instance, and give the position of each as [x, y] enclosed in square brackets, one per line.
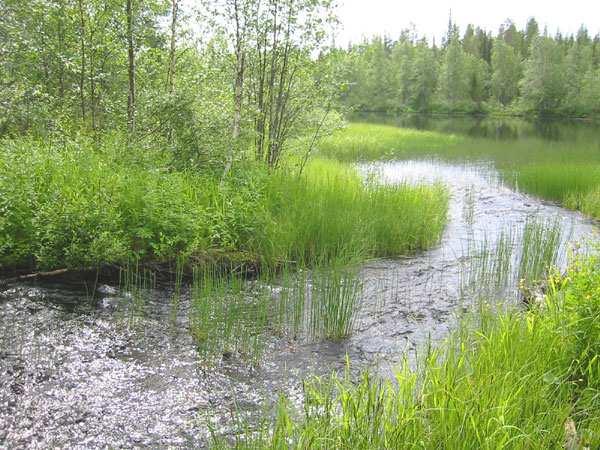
[540, 249]
[368, 142]
[554, 170]
[512, 379]
[576, 186]
[233, 317]
[516, 264]
[331, 213]
[84, 204]
[227, 319]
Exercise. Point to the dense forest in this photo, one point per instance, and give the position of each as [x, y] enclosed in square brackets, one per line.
[515, 71]
[260, 74]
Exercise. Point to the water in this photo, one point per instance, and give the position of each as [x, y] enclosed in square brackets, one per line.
[88, 366]
[506, 129]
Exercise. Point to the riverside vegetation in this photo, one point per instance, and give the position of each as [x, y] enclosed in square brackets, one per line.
[505, 379]
[83, 205]
[555, 171]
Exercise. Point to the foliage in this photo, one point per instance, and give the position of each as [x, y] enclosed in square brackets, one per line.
[80, 203]
[507, 379]
[517, 71]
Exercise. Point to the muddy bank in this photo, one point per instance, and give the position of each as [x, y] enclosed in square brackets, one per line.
[85, 366]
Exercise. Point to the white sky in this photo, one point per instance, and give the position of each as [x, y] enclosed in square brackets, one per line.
[368, 17]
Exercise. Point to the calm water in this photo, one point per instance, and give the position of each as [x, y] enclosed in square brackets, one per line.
[576, 132]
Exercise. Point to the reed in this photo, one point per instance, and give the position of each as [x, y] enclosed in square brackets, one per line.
[330, 213]
[227, 319]
[503, 380]
[233, 316]
[541, 246]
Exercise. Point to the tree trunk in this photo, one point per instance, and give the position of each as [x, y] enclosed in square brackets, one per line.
[238, 92]
[93, 100]
[82, 65]
[171, 70]
[130, 69]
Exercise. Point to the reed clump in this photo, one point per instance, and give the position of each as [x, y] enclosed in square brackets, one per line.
[510, 379]
[232, 316]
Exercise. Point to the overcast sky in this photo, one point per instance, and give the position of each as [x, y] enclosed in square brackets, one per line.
[367, 17]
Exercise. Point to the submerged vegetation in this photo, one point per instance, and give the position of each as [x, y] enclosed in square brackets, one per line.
[508, 379]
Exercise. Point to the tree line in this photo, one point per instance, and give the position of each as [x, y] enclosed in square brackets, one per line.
[233, 79]
[513, 71]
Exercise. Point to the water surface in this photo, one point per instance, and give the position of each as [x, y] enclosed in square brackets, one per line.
[80, 366]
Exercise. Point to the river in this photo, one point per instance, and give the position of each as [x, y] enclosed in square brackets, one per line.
[77, 371]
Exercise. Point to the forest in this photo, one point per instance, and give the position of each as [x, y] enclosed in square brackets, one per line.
[219, 228]
[510, 72]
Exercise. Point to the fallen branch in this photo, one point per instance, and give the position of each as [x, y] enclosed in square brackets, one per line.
[32, 276]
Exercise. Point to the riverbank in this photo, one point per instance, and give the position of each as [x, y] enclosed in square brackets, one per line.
[82, 204]
[553, 170]
[131, 365]
[508, 378]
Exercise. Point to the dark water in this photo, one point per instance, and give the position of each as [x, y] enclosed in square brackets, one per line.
[81, 367]
[575, 132]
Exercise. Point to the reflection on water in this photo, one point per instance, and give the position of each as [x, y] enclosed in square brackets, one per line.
[579, 132]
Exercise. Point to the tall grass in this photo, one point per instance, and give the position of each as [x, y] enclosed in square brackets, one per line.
[510, 380]
[232, 316]
[517, 263]
[552, 170]
[331, 213]
[227, 319]
[368, 142]
[540, 249]
[83, 204]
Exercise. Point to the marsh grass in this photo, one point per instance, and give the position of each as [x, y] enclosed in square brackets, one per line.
[508, 379]
[369, 142]
[489, 271]
[540, 249]
[517, 262]
[136, 282]
[334, 303]
[555, 171]
[227, 319]
[330, 214]
[234, 316]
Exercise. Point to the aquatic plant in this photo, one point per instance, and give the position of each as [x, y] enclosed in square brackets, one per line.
[135, 283]
[232, 315]
[227, 319]
[540, 249]
[508, 379]
[553, 170]
[330, 213]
